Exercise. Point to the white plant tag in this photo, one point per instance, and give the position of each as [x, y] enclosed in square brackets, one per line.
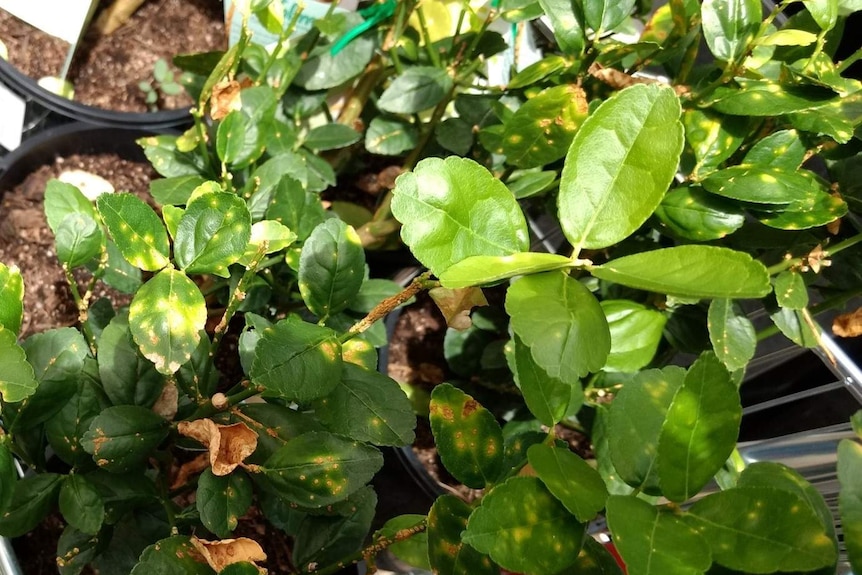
[61, 18]
[12, 118]
[312, 11]
[91, 185]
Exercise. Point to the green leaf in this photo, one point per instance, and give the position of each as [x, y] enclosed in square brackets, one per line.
[390, 136]
[790, 290]
[8, 477]
[605, 15]
[175, 191]
[169, 162]
[713, 138]
[636, 332]
[416, 89]
[414, 549]
[33, 498]
[294, 207]
[127, 377]
[367, 406]
[561, 322]
[690, 271]
[635, 421]
[324, 70]
[850, 499]
[792, 323]
[697, 215]
[119, 273]
[65, 429]
[729, 26]
[531, 183]
[548, 398]
[468, 437]
[331, 137]
[57, 354]
[18, 379]
[231, 143]
[122, 437]
[136, 229]
[733, 336]
[761, 185]
[595, 559]
[78, 239]
[783, 149]
[318, 468]
[166, 317]
[537, 71]
[372, 292]
[455, 135]
[762, 530]
[700, 429]
[439, 205]
[275, 425]
[480, 270]
[275, 235]
[212, 234]
[817, 209]
[767, 98]
[570, 479]
[655, 542]
[81, 504]
[541, 130]
[824, 12]
[331, 267]
[75, 549]
[620, 165]
[297, 361]
[524, 528]
[62, 200]
[222, 500]
[788, 37]
[11, 298]
[568, 23]
[447, 553]
[172, 556]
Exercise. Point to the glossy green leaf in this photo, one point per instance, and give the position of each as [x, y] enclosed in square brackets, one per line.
[696, 215]
[700, 430]
[562, 323]
[792, 323]
[480, 270]
[761, 185]
[367, 406]
[824, 12]
[782, 149]
[267, 235]
[119, 273]
[390, 136]
[455, 135]
[136, 229]
[372, 292]
[834, 118]
[318, 468]
[32, 499]
[11, 298]
[653, 542]
[416, 89]
[468, 437]
[525, 529]
[690, 271]
[66, 428]
[62, 200]
[635, 421]
[8, 477]
[733, 336]
[788, 37]
[78, 239]
[850, 499]
[713, 138]
[636, 332]
[620, 165]
[595, 559]
[127, 377]
[212, 234]
[331, 137]
[817, 209]
[570, 479]
[222, 500]
[324, 540]
[331, 267]
[454, 208]
[324, 70]
[567, 20]
[531, 183]
[548, 398]
[414, 549]
[172, 556]
[541, 130]
[57, 354]
[169, 162]
[298, 361]
[122, 437]
[75, 549]
[294, 207]
[175, 191]
[729, 26]
[448, 554]
[790, 290]
[767, 98]
[605, 15]
[18, 380]
[762, 530]
[537, 71]
[275, 425]
[231, 137]
[81, 504]
[166, 317]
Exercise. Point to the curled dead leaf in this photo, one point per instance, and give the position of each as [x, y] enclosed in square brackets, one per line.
[226, 98]
[228, 445]
[190, 468]
[220, 554]
[848, 324]
[167, 403]
[455, 304]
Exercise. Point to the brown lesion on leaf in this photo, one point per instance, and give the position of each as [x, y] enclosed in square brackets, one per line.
[470, 406]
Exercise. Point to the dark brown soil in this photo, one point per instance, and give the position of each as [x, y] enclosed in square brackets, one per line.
[106, 70]
[27, 242]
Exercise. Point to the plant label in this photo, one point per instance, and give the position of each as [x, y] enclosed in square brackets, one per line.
[64, 20]
[12, 125]
[311, 12]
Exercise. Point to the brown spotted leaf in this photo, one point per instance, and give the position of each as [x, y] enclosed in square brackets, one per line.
[225, 99]
[228, 445]
[122, 437]
[447, 554]
[848, 324]
[455, 304]
[220, 554]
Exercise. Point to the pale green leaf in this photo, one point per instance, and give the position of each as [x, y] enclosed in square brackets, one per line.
[480, 270]
[732, 335]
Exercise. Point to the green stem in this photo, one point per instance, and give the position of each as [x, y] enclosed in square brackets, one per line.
[788, 263]
[83, 311]
[208, 409]
[426, 38]
[282, 38]
[379, 545]
[849, 61]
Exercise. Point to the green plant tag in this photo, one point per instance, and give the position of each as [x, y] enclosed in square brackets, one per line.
[367, 406]
[166, 317]
[297, 361]
[690, 271]
[652, 541]
[331, 268]
[212, 234]
[331, 137]
[480, 270]
[697, 215]
[416, 89]
[33, 498]
[468, 437]
[81, 504]
[620, 165]
[222, 500]
[317, 469]
[18, 379]
[636, 332]
[850, 499]
[11, 298]
[700, 429]
[570, 479]
[170, 556]
[122, 437]
[136, 229]
[562, 323]
[733, 336]
[447, 553]
[390, 136]
[524, 528]
[730, 26]
[568, 22]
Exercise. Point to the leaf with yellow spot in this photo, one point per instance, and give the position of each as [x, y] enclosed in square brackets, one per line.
[790, 290]
[761, 185]
[694, 214]
[221, 501]
[292, 205]
[136, 229]
[18, 381]
[122, 437]
[570, 479]
[172, 555]
[318, 468]
[850, 498]
[33, 497]
[331, 267]
[275, 235]
[782, 149]
[65, 429]
[447, 553]
[213, 233]
[11, 298]
[525, 529]
[817, 209]
[732, 334]
[768, 98]
[713, 138]
[166, 317]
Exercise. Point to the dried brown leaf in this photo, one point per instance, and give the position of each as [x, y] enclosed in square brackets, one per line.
[225, 99]
[168, 402]
[220, 554]
[848, 324]
[228, 445]
[455, 304]
[190, 468]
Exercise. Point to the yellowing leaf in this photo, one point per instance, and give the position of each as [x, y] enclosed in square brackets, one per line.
[455, 304]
